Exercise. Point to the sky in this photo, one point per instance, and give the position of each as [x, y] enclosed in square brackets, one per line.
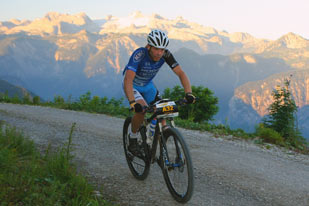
[268, 19]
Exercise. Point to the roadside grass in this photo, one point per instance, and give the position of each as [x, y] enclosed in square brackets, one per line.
[30, 178]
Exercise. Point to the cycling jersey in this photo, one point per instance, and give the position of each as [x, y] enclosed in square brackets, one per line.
[145, 68]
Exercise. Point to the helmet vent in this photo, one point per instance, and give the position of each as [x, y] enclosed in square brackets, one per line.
[157, 39]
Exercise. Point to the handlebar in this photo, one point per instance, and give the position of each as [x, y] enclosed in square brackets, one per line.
[151, 108]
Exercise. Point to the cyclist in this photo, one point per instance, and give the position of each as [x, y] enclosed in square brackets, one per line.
[142, 67]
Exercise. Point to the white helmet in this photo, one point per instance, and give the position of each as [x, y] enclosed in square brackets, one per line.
[158, 39]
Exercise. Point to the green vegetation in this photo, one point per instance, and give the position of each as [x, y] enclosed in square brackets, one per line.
[93, 104]
[29, 178]
[217, 130]
[269, 135]
[203, 110]
[281, 121]
[282, 111]
[85, 103]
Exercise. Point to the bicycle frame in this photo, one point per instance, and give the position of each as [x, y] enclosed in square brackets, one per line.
[158, 138]
[159, 132]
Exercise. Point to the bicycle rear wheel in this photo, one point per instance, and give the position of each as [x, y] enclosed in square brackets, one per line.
[177, 166]
[139, 165]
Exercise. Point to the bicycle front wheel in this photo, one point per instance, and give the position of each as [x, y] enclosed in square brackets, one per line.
[177, 166]
[139, 165]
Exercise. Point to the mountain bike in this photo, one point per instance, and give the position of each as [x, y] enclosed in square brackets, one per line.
[174, 156]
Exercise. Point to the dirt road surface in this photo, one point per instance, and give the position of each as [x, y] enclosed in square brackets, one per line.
[227, 171]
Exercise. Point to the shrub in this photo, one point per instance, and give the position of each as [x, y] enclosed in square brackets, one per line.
[36, 100]
[58, 100]
[85, 99]
[94, 104]
[203, 110]
[269, 135]
[15, 99]
[4, 97]
[27, 99]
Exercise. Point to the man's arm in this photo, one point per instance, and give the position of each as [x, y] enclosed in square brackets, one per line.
[183, 79]
[128, 84]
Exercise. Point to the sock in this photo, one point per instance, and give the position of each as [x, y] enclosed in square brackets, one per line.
[133, 135]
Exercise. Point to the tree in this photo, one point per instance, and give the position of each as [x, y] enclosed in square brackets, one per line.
[203, 110]
[27, 99]
[36, 100]
[282, 113]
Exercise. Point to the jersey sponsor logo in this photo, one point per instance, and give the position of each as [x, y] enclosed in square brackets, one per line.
[174, 65]
[139, 56]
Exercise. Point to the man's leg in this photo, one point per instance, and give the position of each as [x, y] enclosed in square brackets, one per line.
[138, 118]
[136, 122]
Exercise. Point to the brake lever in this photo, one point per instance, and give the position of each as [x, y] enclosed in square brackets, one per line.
[182, 102]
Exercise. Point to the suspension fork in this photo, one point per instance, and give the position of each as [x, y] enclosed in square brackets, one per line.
[163, 150]
[175, 140]
[157, 139]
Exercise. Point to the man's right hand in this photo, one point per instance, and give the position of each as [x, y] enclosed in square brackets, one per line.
[137, 107]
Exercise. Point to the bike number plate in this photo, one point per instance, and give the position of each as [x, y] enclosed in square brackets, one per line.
[167, 109]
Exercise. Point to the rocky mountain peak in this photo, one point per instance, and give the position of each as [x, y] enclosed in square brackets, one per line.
[134, 22]
[53, 23]
[19, 22]
[52, 15]
[293, 41]
[78, 19]
[206, 39]
[241, 37]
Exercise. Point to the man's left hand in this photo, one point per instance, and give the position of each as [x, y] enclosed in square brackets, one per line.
[190, 98]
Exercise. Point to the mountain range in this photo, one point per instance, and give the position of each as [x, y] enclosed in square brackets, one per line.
[63, 54]
[14, 91]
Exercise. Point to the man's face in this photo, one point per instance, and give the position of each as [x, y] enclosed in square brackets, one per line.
[156, 53]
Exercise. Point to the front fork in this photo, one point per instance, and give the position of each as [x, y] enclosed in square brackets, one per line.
[162, 141]
[164, 153]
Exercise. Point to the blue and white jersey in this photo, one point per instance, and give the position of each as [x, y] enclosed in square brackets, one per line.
[145, 68]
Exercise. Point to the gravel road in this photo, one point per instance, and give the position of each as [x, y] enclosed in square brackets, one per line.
[227, 171]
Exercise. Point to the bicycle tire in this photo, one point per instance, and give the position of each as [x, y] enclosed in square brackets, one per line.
[177, 163]
[139, 166]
